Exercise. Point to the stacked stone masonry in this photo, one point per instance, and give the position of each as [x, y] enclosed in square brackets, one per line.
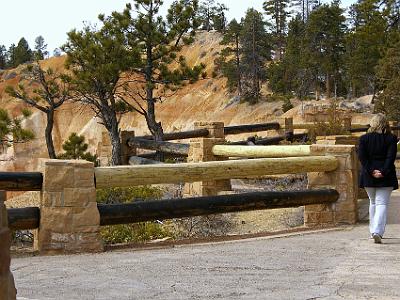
[70, 221]
[201, 150]
[7, 286]
[344, 179]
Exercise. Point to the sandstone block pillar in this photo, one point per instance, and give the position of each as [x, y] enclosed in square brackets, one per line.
[70, 220]
[7, 286]
[126, 151]
[104, 149]
[344, 179]
[201, 151]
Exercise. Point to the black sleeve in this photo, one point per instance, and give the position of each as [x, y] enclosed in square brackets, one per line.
[363, 155]
[390, 156]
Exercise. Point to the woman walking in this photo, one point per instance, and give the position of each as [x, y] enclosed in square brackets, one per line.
[377, 153]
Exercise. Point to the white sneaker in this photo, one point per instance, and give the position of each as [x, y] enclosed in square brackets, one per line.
[377, 238]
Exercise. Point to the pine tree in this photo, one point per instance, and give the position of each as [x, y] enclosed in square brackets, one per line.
[23, 53]
[154, 44]
[11, 130]
[206, 14]
[50, 92]
[3, 57]
[388, 75]
[11, 60]
[219, 19]
[230, 58]
[324, 48]
[97, 59]
[364, 46]
[40, 48]
[256, 51]
[277, 11]
[76, 148]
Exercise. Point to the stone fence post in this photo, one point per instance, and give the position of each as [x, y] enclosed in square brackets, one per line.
[344, 179]
[70, 220]
[201, 150]
[7, 286]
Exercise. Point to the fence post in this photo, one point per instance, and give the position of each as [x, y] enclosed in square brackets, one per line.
[201, 150]
[7, 286]
[347, 123]
[289, 130]
[126, 151]
[104, 149]
[344, 179]
[70, 220]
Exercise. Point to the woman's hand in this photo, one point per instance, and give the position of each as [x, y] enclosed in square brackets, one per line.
[377, 174]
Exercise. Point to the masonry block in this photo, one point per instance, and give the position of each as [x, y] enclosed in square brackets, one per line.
[344, 179]
[7, 286]
[70, 220]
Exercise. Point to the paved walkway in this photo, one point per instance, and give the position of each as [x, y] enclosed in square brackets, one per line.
[339, 264]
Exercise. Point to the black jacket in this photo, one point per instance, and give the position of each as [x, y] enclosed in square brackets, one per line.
[378, 152]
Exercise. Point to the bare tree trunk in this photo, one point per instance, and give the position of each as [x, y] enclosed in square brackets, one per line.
[116, 153]
[49, 134]
[328, 86]
[239, 72]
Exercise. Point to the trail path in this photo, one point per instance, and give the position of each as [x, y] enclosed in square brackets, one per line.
[333, 264]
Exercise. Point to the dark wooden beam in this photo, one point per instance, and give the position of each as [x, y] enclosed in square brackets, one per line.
[180, 135]
[165, 147]
[141, 211]
[23, 218]
[21, 181]
[250, 128]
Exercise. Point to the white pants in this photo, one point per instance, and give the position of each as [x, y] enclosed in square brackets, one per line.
[379, 201]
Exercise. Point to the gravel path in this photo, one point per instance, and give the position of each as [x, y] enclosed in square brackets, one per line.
[333, 264]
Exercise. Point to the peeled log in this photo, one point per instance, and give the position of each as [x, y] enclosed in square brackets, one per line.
[125, 176]
[261, 151]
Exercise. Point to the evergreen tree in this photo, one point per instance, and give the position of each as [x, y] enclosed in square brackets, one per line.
[388, 75]
[97, 60]
[364, 46]
[3, 57]
[229, 61]
[11, 130]
[50, 92]
[304, 7]
[155, 43]
[325, 45]
[76, 148]
[11, 59]
[219, 18]
[23, 53]
[40, 48]
[277, 11]
[206, 14]
[256, 50]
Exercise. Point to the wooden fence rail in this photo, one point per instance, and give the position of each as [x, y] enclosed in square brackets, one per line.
[228, 130]
[166, 147]
[142, 211]
[261, 151]
[189, 207]
[21, 181]
[125, 176]
[23, 218]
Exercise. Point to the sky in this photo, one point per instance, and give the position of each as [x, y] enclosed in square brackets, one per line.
[53, 19]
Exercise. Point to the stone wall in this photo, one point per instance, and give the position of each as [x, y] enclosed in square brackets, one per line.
[201, 151]
[70, 220]
[344, 179]
[7, 287]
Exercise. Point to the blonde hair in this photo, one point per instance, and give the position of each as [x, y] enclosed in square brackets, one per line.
[379, 124]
